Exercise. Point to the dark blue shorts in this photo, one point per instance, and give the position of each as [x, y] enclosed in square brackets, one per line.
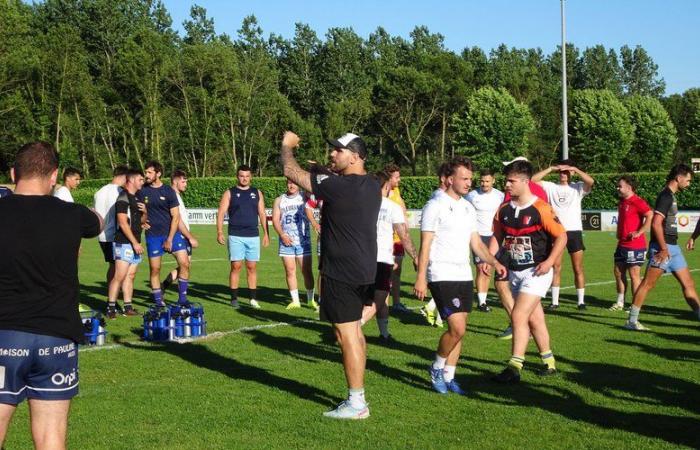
[630, 256]
[36, 366]
[154, 245]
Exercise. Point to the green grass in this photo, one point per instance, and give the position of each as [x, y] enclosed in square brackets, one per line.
[267, 385]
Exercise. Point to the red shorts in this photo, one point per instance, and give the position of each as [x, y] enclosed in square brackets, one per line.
[398, 249]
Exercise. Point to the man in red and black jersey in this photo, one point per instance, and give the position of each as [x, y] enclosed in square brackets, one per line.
[532, 238]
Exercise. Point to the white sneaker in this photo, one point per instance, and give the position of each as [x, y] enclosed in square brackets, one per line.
[345, 411]
[635, 326]
[617, 307]
[255, 304]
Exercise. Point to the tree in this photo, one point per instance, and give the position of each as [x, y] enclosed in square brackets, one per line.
[684, 111]
[601, 131]
[598, 69]
[654, 135]
[640, 75]
[493, 128]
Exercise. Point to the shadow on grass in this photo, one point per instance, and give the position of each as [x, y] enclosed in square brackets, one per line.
[672, 354]
[204, 358]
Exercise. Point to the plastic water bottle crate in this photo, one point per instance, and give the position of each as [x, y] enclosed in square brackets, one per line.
[94, 327]
[173, 322]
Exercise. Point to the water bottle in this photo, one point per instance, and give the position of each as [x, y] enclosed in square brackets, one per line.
[95, 331]
[196, 329]
[101, 333]
[161, 327]
[179, 329]
[172, 330]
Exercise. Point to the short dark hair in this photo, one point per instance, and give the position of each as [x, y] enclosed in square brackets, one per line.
[178, 173]
[120, 170]
[382, 177]
[519, 168]
[678, 170]
[630, 180]
[35, 160]
[71, 172]
[458, 161]
[391, 168]
[442, 170]
[243, 168]
[486, 173]
[158, 167]
[131, 173]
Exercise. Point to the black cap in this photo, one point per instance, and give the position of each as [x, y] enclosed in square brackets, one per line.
[351, 142]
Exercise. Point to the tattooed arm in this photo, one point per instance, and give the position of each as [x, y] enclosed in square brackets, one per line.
[291, 168]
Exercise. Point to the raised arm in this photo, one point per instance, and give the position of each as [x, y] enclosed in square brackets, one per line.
[588, 181]
[539, 176]
[291, 168]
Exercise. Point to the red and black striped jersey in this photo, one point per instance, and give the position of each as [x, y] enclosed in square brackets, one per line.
[527, 232]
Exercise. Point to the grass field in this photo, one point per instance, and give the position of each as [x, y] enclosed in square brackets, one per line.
[263, 377]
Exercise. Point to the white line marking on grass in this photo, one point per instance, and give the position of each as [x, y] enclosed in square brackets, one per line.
[209, 337]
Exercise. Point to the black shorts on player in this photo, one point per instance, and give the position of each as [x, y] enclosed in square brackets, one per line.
[452, 296]
[382, 281]
[343, 302]
[629, 256]
[574, 242]
[107, 251]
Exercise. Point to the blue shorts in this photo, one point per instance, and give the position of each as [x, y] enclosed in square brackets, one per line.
[154, 244]
[304, 249]
[674, 263]
[125, 252]
[36, 366]
[240, 248]
[630, 256]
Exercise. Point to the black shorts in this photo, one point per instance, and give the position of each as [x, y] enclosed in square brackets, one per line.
[382, 281]
[574, 241]
[452, 296]
[107, 251]
[630, 256]
[343, 302]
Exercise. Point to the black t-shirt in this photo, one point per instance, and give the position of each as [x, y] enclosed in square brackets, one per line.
[667, 206]
[40, 237]
[127, 204]
[349, 225]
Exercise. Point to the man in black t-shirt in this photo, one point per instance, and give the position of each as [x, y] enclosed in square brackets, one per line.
[39, 320]
[130, 215]
[665, 255]
[348, 262]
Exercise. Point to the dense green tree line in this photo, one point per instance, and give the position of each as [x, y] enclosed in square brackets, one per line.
[110, 81]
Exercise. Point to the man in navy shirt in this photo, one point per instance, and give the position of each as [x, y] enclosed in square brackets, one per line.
[162, 235]
[244, 205]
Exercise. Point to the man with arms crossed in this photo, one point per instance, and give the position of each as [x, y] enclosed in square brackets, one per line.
[565, 197]
[178, 181]
[351, 204]
[485, 200]
[245, 205]
[163, 236]
[289, 218]
[39, 321]
[130, 218]
[664, 253]
[448, 231]
[525, 227]
[633, 221]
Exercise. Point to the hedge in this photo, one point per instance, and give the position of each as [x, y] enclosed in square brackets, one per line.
[206, 192]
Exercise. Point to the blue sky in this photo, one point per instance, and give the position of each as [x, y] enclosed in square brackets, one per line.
[669, 30]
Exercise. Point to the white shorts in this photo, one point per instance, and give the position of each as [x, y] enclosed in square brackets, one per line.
[526, 282]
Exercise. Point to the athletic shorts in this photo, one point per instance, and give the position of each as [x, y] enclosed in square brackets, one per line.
[240, 248]
[304, 249]
[674, 263]
[382, 281]
[154, 244]
[452, 297]
[126, 253]
[574, 241]
[527, 282]
[630, 256]
[399, 251]
[107, 251]
[36, 366]
[485, 240]
[343, 302]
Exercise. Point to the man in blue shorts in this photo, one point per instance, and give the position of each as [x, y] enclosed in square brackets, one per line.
[245, 206]
[39, 321]
[665, 255]
[163, 236]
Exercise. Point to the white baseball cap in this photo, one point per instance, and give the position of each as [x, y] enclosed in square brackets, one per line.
[519, 158]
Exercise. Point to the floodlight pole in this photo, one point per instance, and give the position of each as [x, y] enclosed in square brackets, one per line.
[564, 114]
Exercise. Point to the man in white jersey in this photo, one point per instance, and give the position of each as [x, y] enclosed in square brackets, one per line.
[71, 180]
[485, 200]
[178, 181]
[292, 225]
[448, 232]
[105, 199]
[565, 197]
[391, 220]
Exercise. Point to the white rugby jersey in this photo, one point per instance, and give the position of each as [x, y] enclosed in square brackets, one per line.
[293, 218]
[486, 204]
[390, 213]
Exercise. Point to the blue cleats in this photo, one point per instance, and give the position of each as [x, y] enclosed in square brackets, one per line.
[437, 378]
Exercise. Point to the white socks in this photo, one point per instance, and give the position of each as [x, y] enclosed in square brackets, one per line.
[555, 295]
[356, 398]
[449, 373]
[580, 294]
[621, 298]
[431, 305]
[295, 295]
[482, 297]
[439, 362]
[634, 314]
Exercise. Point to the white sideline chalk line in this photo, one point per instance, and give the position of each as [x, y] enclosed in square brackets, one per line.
[209, 337]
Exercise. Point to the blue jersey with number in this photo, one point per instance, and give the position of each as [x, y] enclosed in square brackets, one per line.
[293, 218]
